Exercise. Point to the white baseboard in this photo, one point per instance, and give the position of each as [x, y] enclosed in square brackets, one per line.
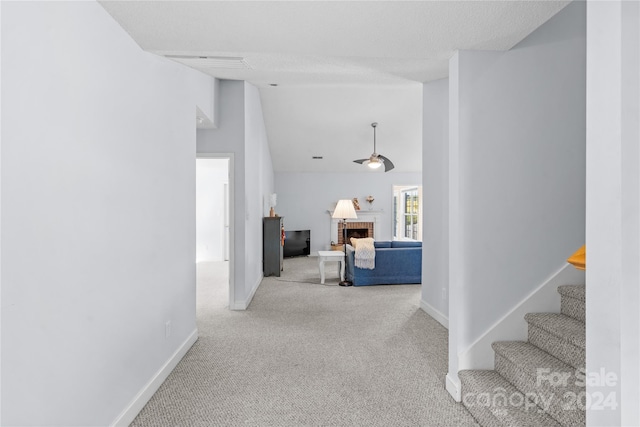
[512, 326]
[133, 409]
[244, 304]
[433, 312]
[454, 387]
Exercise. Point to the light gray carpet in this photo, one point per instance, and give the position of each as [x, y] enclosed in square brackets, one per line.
[306, 354]
[212, 287]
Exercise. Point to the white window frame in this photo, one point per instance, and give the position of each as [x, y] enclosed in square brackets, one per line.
[399, 213]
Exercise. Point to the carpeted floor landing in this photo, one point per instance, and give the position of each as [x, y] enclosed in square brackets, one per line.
[306, 354]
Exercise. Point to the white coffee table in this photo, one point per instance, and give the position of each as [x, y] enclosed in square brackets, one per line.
[330, 256]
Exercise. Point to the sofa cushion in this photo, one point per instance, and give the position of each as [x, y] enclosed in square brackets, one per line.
[405, 244]
[354, 241]
[382, 244]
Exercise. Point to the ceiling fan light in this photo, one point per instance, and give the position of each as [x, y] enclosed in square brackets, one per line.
[374, 164]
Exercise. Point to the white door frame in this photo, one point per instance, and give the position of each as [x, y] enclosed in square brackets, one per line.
[232, 194]
[225, 238]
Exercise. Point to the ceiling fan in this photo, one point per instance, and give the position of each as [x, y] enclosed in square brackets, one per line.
[376, 160]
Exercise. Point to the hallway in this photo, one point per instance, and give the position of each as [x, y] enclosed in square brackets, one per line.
[212, 288]
[312, 355]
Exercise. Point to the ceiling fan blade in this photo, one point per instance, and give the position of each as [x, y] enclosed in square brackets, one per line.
[361, 161]
[388, 165]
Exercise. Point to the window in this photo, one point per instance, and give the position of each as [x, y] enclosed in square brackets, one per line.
[407, 208]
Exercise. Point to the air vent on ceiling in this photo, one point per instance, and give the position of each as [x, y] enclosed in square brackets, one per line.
[317, 157]
[226, 62]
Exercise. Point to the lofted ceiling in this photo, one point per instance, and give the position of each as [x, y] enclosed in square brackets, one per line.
[338, 65]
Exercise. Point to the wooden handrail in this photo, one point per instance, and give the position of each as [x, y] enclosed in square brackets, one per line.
[578, 259]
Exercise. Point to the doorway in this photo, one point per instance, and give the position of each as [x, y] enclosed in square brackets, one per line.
[407, 212]
[214, 281]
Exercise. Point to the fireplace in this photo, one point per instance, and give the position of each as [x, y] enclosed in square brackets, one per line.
[355, 229]
[367, 220]
[358, 233]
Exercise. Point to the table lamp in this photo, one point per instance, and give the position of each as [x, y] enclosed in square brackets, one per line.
[345, 210]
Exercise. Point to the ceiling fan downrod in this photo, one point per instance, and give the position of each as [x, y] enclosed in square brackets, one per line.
[373, 125]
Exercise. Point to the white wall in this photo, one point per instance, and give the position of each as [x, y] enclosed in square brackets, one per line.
[1, 133]
[613, 214]
[259, 184]
[517, 172]
[435, 218]
[98, 230]
[241, 132]
[305, 198]
[211, 177]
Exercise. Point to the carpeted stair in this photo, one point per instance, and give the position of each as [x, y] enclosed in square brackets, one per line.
[539, 382]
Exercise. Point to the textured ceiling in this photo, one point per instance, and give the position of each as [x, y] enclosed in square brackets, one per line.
[335, 122]
[339, 65]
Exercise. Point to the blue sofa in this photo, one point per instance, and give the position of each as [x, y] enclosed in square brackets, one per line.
[397, 262]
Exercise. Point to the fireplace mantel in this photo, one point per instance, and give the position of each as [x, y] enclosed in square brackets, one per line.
[363, 216]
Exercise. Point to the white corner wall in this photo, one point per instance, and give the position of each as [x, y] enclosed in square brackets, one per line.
[304, 199]
[241, 132]
[613, 213]
[435, 190]
[98, 215]
[516, 173]
[259, 184]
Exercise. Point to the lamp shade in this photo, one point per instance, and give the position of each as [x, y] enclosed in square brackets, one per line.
[344, 210]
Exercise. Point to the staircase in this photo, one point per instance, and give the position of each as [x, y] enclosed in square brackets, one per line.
[539, 382]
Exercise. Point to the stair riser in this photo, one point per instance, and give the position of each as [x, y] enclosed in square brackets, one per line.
[494, 402]
[557, 401]
[573, 308]
[557, 347]
[483, 416]
[480, 410]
